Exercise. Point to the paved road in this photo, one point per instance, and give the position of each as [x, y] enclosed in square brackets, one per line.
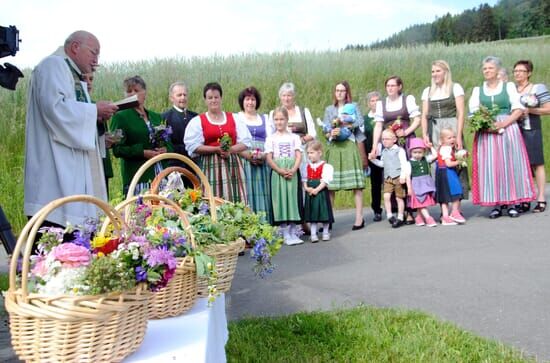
[491, 277]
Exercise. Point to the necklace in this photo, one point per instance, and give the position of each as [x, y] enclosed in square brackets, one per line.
[524, 87]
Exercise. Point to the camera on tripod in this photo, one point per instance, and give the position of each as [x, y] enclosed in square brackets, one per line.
[9, 45]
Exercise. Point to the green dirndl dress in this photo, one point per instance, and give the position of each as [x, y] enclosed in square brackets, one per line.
[286, 194]
[348, 168]
[317, 208]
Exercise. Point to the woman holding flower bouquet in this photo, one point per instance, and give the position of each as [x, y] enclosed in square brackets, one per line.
[400, 113]
[215, 140]
[346, 156]
[144, 137]
[501, 175]
[536, 99]
[256, 169]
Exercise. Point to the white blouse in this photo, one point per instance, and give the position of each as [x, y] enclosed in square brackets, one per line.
[395, 105]
[326, 176]
[241, 117]
[513, 95]
[440, 93]
[194, 136]
[283, 145]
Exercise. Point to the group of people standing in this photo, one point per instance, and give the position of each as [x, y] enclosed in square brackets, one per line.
[275, 163]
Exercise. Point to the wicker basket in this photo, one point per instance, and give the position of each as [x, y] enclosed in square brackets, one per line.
[100, 328]
[226, 262]
[225, 255]
[180, 294]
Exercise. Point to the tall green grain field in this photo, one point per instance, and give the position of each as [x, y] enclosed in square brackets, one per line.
[313, 73]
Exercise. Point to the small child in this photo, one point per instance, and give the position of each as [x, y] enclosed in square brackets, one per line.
[420, 184]
[283, 154]
[396, 169]
[447, 183]
[344, 122]
[316, 178]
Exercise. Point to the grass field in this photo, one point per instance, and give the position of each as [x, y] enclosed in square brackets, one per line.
[362, 334]
[313, 73]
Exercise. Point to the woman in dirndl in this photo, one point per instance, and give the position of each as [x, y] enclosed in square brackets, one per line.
[501, 174]
[347, 157]
[399, 112]
[536, 99]
[219, 160]
[256, 169]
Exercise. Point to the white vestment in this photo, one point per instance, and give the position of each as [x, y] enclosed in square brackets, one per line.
[62, 157]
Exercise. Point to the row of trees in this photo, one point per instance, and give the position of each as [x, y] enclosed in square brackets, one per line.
[507, 19]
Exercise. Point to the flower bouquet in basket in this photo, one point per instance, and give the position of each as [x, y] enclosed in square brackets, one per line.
[483, 120]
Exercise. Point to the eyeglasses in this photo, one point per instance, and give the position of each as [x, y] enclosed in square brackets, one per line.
[520, 71]
[94, 52]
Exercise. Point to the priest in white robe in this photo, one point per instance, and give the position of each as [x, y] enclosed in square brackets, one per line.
[62, 156]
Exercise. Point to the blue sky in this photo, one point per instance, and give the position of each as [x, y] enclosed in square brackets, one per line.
[145, 29]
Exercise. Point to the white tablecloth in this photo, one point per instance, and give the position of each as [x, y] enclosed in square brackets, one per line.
[199, 336]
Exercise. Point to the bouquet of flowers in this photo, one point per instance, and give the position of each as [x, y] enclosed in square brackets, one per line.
[234, 220]
[257, 154]
[225, 142]
[397, 125]
[344, 127]
[160, 135]
[462, 157]
[484, 119]
[529, 100]
[95, 265]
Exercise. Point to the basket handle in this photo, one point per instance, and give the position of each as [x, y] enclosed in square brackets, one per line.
[125, 204]
[155, 184]
[31, 228]
[203, 179]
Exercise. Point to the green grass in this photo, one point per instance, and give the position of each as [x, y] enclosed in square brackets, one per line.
[314, 74]
[362, 334]
[4, 281]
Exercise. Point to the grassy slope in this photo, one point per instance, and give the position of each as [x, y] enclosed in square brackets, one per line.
[313, 73]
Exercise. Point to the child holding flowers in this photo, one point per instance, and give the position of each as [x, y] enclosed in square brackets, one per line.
[448, 187]
[316, 178]
[283, 154]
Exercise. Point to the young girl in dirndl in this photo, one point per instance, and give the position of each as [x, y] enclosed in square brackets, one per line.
[420, 184]
[317, 177]
[447, 183]
[284, 155]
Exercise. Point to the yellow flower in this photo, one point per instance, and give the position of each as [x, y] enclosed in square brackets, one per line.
[99, 241]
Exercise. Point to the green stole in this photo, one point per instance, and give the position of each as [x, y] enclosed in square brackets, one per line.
[79, 89]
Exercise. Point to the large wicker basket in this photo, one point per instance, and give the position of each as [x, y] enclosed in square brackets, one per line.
[180, 294]
[225, 255]
[100, 328]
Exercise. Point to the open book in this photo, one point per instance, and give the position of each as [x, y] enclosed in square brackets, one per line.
[128, 102]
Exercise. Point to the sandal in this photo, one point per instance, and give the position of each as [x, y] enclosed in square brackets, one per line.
[495, 213]
[512, 212]
[540, 207]
[525, 207]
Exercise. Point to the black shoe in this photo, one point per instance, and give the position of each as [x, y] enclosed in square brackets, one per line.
[398, 223]
[362, 225]
[377, 217]
[513, 213]
[495, 213]
[392, 220]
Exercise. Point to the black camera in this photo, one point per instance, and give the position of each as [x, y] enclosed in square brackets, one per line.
[9, 45]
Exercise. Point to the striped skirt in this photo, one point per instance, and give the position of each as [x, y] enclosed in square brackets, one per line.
[500, 168]
[257, 183]
[348, 168]
[226, 176]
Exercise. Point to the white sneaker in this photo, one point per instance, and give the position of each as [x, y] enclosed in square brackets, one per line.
[314, 238]
[293, 240]
[326, 237]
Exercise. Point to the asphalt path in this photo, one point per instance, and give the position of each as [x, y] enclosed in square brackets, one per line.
[491, 277]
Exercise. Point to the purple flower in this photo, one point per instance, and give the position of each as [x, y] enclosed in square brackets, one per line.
[141, 274]
[203, 208]
[82, 239]
[180, 241]
[160, 256]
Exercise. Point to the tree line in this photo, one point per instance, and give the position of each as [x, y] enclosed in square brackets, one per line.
[506, 20]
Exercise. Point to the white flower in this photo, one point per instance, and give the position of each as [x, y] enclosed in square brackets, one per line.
[64, 282]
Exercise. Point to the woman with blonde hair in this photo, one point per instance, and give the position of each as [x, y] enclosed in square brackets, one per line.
[442, 106]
